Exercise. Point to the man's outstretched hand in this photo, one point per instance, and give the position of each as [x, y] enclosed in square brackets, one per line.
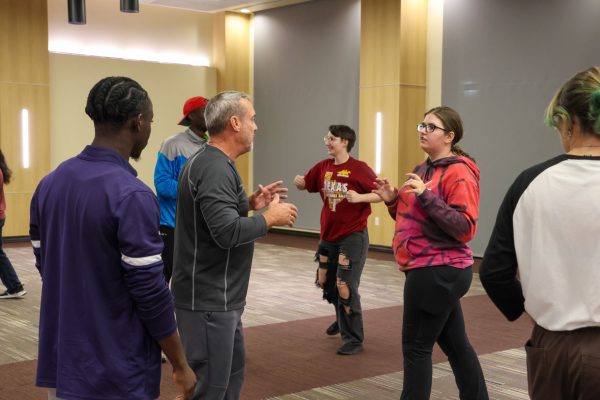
[264, 195]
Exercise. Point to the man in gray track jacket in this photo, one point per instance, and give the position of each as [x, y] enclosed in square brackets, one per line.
[214, 244]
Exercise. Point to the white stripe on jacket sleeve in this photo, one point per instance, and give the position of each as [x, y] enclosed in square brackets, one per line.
[141, 261]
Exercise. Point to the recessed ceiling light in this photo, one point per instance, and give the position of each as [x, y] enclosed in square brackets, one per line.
[245, 11]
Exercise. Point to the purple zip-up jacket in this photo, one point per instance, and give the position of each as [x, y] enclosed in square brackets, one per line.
[105, 303]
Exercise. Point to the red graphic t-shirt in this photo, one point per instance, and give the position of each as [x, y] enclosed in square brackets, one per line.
[339, 218]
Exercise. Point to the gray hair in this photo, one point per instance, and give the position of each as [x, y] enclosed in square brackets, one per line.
[221, 108]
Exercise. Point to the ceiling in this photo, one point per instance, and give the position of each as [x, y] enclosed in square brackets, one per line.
[212, 6]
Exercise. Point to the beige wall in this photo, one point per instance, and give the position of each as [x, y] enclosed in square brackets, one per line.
[167, 33]
[220, 40]
[168, 85]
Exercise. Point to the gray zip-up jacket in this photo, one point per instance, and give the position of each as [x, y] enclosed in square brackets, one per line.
[214, 237]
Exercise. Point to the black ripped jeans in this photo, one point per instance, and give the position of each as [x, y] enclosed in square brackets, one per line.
[354, 247]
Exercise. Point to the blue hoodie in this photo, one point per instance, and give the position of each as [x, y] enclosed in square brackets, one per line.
[173, 153]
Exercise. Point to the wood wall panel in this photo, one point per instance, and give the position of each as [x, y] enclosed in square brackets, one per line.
[384, 99]
[219, 50]
[24, 41]
[13, 98]
[413, 42]
[231, 57]
[23, 84]
[237, 51]
[393, 82]
[17, 206]
[379, 44]
[411, 106]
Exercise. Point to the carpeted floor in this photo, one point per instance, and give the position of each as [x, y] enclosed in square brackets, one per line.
[294, 356]
[289, 357]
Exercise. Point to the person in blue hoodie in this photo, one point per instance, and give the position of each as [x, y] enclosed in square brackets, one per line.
[106, 310]
[174, 152]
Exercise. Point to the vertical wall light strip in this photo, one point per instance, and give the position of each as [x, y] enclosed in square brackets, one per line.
[25, 137]
[378, 143]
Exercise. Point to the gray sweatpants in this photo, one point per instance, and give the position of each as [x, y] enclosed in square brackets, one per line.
[214, 348]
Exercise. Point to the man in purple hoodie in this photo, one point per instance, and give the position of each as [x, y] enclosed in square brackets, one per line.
[106, 310]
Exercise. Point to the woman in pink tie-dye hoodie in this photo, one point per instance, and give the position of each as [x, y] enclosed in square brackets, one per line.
[436, 211]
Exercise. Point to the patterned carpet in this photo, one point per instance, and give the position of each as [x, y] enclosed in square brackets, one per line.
[505, 374]
[288, 354]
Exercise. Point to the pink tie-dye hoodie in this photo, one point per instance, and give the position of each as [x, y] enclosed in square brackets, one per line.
[433, 228]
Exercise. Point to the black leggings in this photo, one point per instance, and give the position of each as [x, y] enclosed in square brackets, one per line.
[432, 313]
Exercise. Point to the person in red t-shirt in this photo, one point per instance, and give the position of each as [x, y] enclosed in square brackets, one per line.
[345, 185]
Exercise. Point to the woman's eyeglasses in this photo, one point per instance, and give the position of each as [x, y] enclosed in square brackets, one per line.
[429, 128]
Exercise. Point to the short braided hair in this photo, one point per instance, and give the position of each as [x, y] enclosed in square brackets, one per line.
[115, 99]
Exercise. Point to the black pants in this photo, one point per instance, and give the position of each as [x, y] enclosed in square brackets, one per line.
[432, 313]
[168, 236]
[354, 247]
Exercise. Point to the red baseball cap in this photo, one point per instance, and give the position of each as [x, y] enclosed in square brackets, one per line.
[191, 104]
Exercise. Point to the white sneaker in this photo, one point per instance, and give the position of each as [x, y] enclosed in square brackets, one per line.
[18, 295]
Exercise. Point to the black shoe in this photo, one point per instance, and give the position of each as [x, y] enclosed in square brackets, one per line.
[333, 329]
[348, 349]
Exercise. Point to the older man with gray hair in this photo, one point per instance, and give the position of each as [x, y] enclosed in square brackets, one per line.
[214, 244]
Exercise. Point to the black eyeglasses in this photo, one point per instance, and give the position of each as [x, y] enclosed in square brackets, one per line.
[428, 128]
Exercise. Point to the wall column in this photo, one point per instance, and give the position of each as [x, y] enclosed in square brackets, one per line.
[232, 44]
[393, 57]
[24, 84]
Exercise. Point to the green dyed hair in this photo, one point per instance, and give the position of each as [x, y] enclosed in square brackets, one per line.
[578, 97]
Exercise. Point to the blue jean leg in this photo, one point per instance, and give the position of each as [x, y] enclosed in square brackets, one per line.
[7, 272]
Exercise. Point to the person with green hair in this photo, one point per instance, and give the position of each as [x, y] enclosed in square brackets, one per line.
[543, 257]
